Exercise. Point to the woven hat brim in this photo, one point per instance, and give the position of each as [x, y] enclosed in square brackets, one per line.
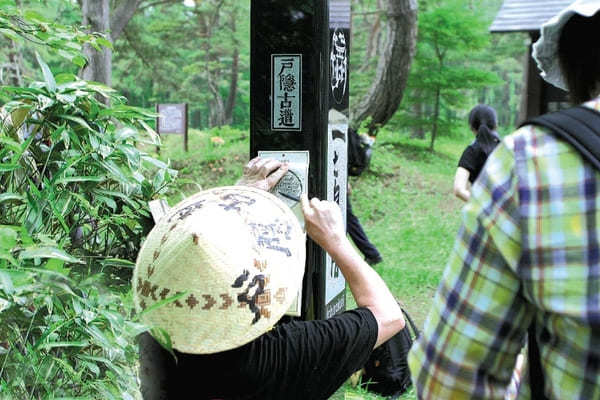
[545, 49]
[236, 285]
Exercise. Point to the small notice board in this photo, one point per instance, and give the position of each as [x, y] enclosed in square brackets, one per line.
[173, 119]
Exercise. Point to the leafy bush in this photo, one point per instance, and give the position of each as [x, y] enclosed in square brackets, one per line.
[73, 210]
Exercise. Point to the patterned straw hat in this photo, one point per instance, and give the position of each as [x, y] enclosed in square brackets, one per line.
[545, 50]
[234, 254]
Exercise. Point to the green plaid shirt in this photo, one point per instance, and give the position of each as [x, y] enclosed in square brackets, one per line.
[528, 248]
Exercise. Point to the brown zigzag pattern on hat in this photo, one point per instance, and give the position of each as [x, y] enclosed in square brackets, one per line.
[192, 301]
[163, 293]
[176, 302]
[156, 254]
[227, 301]
[210, 302]
[152, 291]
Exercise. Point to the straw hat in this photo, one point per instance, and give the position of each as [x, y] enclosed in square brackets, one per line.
[234, 254]
[545, 50]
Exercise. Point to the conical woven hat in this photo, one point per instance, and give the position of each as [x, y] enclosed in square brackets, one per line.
[237, 253]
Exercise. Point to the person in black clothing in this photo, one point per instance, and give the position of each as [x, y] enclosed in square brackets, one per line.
[293, 360]
[359, 157]
[359, 236]
[483, 123]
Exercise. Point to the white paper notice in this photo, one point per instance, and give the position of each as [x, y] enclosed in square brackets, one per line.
[289, 189]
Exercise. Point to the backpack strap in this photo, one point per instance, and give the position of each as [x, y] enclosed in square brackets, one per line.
[416, 332]
[536, 374]
[579, 126]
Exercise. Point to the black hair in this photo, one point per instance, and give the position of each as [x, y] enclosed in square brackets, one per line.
[484, 121]
[579, 56]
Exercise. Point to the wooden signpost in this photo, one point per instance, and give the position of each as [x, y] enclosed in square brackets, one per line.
[299, 102]
[173, 119]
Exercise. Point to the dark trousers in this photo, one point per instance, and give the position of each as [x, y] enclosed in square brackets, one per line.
[358, 235]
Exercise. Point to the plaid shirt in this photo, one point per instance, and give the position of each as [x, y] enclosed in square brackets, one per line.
[528, 248]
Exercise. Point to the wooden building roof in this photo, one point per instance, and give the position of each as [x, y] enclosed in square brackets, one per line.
[526, 15]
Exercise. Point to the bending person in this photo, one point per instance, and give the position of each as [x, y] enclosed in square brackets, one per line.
[227, 342]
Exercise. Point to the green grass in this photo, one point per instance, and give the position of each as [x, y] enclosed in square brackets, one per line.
[404, 202]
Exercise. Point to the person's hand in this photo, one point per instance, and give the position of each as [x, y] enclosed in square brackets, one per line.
[323, 221]
[263, 173]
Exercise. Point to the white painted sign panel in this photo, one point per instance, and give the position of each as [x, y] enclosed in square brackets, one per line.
[171, 118]
[337, 175]
[286, 92]
[289, 189]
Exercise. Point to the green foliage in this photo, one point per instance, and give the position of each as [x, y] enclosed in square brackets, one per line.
[73, 212]
[179, 54]
[450, 36]
[33, 27]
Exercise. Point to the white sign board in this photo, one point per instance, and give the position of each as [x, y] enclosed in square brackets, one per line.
[289, 189]
[286, 92]
[337, 177]
[172, 118]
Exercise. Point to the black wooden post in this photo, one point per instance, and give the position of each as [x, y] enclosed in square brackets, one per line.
[297, 104]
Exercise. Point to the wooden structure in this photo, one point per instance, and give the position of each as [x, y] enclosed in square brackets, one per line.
[173, 119]
[299, 101]
[528, 16]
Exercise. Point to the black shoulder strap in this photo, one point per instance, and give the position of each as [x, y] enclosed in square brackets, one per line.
[416, 332]
[579, 126]
[536, 374]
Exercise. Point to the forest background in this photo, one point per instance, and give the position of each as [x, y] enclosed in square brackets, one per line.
[74, 188]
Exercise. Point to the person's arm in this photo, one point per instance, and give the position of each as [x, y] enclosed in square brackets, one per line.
[478, 320]
[461, 184]
[324, 224]
[262, 173]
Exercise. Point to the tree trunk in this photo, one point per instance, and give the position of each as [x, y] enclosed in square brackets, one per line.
[217, 107]
[482, 97]
[504, 116]
[385, 95]
[96, 15]
[235, 66]
[436, 117]
[14, 67]
[208, 22]
[418, 132]
[372, 42]
[121, 16]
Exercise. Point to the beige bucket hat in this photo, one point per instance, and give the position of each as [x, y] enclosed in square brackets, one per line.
[545, 49]
[236, 256]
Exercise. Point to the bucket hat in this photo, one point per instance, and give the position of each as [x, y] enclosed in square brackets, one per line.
[230, 259]
[545, 49]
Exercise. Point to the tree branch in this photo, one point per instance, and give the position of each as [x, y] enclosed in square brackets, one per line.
[141, 55]
[121, 16]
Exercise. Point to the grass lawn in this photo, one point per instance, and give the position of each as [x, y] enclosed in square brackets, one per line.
[404, 202]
